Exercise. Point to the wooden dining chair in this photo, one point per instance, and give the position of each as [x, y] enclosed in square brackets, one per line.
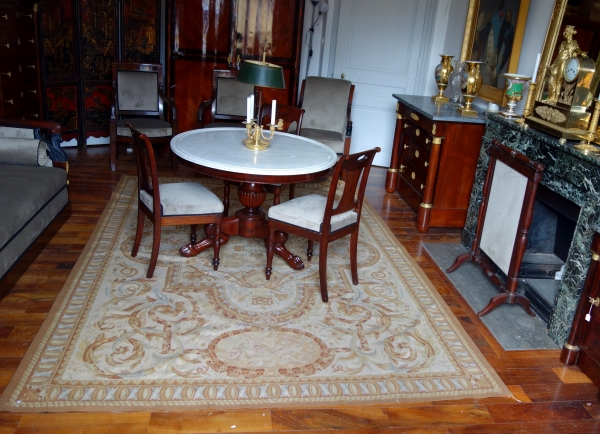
[181, 203]
[325, 219]
[291, 122]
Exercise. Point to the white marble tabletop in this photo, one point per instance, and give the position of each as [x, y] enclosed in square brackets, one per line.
[222, 149]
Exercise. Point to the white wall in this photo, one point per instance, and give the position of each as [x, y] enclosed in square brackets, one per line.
[449, 28]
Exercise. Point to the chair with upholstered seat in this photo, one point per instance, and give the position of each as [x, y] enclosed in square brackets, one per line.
[291, 122]
[227, 103]
[140, 100]
[181, 203]
[326, 219]
[327, 103]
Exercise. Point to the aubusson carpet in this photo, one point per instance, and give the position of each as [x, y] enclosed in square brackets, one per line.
[192, 338]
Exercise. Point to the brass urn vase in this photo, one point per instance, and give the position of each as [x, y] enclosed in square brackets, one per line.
[442, 71]
[474, 80]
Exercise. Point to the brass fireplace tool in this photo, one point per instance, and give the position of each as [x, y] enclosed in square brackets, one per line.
[585, 145]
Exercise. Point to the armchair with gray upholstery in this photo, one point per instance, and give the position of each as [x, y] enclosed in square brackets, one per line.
[227, 103]
[327, 103]
[140, 100]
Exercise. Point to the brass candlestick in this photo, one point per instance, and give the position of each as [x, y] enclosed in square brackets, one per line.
[256, 140]
[585, 145]
[528, 110]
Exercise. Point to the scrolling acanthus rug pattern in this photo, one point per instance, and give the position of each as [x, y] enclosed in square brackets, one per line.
[192, 337]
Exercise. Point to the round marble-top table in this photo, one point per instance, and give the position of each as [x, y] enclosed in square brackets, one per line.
[220, 153]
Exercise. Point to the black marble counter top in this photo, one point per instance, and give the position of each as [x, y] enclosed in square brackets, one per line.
[441, 113]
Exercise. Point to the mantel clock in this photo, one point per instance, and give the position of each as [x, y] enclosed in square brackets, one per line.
[563, 109]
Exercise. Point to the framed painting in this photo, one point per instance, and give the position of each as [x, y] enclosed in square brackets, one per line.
[494, 35]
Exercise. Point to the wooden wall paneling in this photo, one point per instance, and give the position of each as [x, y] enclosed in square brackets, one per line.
[214, 37]
[193, 85]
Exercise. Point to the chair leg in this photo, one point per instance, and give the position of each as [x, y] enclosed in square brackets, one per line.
[193, 233]
[309, 250]
[113, 151]
[155, 248]
[217, 246]
[353, 253]
[323, 271]
[292, 191]
[277, 194]
[226, 188]
[138, 233]
[270, 253]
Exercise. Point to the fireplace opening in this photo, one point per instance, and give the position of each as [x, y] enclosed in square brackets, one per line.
[548, 244]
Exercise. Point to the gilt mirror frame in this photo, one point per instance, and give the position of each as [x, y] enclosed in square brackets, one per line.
[489, 92]
[552, 35]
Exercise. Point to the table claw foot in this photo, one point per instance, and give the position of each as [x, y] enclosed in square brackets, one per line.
[190, 249]
[292, 260]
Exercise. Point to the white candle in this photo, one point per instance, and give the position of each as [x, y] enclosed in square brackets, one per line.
[535, 70]
[252, 106]
[248, 116]
[273, 111]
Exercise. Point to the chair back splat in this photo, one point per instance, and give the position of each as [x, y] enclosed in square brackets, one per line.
[324, 220]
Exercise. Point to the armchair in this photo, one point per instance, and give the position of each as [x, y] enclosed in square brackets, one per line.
[327, 103]
[227, 102]
[139, 99]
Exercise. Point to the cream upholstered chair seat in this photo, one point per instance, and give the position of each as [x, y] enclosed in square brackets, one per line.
[147, 126]
[184, 198]
[308, 212]
[327, 103]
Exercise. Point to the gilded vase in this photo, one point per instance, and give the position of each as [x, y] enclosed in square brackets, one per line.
[442, 71]
[474, 80]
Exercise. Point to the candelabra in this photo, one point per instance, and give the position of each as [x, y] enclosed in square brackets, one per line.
[257, 141]
[529, 102]
[585, 144]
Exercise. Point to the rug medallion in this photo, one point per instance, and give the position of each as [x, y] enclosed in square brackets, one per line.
[192, 337]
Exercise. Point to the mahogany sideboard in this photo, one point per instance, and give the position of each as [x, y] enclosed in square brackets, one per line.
[434, 157]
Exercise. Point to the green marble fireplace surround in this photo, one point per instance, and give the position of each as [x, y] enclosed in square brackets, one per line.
[569, 173]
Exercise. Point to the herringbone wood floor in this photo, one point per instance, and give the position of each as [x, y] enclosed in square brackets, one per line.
[548, 397]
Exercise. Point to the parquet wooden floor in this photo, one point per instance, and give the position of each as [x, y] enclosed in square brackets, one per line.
[548, 396]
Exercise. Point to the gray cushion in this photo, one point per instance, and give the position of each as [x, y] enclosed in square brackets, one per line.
[225, 125]
[333, 139]
[147, 126]
[326, 104]
[17, 133]
[308, 212]
[30, 152]
[231, 96]
[25, 190]
[137, 90]
[185, 198]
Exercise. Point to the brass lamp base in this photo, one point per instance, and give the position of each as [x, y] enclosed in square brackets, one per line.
[440, 99]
